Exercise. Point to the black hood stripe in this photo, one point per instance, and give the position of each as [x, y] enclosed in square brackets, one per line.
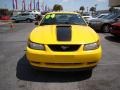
[64, 33]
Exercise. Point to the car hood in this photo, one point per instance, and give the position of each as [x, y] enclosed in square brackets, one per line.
[102, 20]
[116, 24]
[48, 35]
[95, 19]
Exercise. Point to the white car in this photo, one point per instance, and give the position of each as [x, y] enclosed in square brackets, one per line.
[89, 18]
[99, 16]
[23, 17]
[35, 13]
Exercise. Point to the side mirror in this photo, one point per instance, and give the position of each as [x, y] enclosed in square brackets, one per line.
[36, 23]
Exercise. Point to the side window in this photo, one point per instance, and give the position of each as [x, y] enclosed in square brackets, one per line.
[118, 18]
[25, 14]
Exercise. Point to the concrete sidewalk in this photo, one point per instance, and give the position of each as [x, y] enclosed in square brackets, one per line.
[4, 22]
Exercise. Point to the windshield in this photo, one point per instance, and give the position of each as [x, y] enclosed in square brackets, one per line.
[111, 16]
[101, 16]
[63, 19]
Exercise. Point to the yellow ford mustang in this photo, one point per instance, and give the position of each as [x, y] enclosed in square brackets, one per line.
[64, 41]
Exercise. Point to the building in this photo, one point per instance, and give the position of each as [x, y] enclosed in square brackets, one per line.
[114, 3]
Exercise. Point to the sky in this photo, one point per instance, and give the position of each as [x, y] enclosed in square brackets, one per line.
[68, 5]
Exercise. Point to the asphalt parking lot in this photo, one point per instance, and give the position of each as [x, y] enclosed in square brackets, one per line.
[16, 74]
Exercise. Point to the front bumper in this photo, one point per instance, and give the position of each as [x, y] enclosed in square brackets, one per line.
[63, 60]
[115, 32]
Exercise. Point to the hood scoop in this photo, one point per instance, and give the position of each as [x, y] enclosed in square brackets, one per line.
[64, 32]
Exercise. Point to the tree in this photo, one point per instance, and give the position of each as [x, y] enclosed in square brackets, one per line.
[93, 9]
[111, 9]
[57, 7]
[82, 9]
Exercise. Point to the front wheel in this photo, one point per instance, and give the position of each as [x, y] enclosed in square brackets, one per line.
[29, 20]
[106, 28]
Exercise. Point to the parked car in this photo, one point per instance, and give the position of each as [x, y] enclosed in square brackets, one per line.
[35, 12]
[23, 17]
[88, 18]
[101, 16]
[115, 30]
[104, 24]
[63, 41]
[4, 17]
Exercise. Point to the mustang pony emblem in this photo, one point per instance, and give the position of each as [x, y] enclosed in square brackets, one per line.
[64, 47]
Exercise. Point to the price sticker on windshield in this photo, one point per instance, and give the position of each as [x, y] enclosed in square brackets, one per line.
[48, 16]
[52, 15]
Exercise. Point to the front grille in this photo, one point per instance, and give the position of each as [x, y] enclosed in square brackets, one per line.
[116, 27]
[64, 47]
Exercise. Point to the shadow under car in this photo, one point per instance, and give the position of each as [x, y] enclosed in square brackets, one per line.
[25, 72]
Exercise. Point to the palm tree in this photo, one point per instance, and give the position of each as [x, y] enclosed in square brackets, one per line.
[82, 9]
[111, 9]
[93, 9]
[57, 7]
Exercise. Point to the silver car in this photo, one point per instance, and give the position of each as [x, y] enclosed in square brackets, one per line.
[104, 24]
[23, 17]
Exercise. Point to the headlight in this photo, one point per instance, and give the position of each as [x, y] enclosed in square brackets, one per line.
[91, 46]
[36, 46]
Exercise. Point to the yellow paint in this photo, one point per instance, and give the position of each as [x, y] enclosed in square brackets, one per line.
[81, 35]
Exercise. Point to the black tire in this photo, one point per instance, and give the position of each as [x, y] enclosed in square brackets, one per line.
[106, 28]
[29, 20]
